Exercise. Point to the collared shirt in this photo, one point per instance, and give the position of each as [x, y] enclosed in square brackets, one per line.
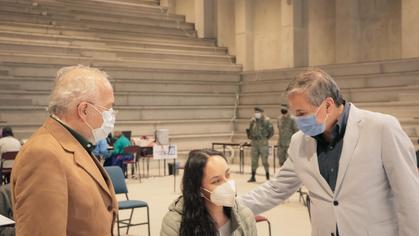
[329, 152]
[88, 146]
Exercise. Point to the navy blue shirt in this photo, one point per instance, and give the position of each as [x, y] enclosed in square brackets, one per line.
[328, 153]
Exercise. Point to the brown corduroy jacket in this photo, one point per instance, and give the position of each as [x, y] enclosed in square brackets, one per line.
[59, 189]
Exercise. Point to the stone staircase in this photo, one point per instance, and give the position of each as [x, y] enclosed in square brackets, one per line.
[390, 87]
[163, 75]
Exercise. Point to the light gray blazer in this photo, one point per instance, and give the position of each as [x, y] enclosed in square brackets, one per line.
[377, 189]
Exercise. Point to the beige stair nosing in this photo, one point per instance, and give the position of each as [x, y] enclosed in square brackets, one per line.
[129, 63]
[343, 90]
[132, 107]
[117, 69]
[156, 52]
[112, 27]
[153, 94]
[92, 39]
[103, 34]
[140, 122]
[358, 104]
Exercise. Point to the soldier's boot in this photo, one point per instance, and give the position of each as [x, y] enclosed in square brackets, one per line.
[267, 175]
[252, 179]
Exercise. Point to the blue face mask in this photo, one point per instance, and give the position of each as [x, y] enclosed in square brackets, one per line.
[309, 126]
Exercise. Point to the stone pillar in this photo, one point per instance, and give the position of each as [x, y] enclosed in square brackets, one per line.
[226, 33]
[347, 31]
[170, 5]
[299, 29]
[244, 34]
[205, 18]
[410, 28]
[321, 32]
[367, 30]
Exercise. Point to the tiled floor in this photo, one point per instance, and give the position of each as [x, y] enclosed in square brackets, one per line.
[288, 219]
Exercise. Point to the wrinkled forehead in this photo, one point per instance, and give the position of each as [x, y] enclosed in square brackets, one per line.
[298, 101]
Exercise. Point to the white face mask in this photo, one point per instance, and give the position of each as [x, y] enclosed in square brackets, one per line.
[223, 195]
[258, 115]
[108, 124]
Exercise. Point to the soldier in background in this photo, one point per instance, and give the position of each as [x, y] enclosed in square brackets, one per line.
[259, 132]
[286, 128]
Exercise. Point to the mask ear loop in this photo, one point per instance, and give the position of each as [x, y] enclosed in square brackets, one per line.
[327, 114]
[203, 195]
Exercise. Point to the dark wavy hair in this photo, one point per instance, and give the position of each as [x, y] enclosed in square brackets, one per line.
[6, 132]
[196, 221]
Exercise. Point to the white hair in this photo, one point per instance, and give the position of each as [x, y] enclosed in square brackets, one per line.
[70, 89]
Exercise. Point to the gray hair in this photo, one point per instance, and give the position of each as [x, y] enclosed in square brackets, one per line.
[317, 85]
[69, 89]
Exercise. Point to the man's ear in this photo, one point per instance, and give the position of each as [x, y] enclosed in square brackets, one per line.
[82, 110]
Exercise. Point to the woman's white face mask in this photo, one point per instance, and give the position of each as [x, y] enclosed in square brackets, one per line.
[223, 195]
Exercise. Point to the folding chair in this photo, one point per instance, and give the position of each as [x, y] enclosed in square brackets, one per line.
[133, 150]
[6, 171]
[118, 181]
[259, 218]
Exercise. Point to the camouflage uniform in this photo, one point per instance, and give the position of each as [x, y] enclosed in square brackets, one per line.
[260, 131]
[286, 128]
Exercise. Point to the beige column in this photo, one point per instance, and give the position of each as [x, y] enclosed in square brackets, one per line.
[205, 18]
[170, 5]
[299, 29]
[367, 30]
[226, 34]
[321, 32]
[244, 34]
[410, 28]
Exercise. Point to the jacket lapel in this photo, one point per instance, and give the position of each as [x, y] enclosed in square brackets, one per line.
[350, 141]
[81, 157]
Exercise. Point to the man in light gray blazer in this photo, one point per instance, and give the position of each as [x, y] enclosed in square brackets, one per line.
[359, 166]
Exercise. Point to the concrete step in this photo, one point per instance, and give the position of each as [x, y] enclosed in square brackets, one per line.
[112, 44]
[184, 143]
[120, 28]
[27, 74]
[159, 86]
[13, 44]
[409, 125]
[27, 98]
[11, 57]
[33, 114]
[386, 94]
[139, 128]
[129, 37]
[344, 82]
[399, 109]
[80, 12]
[113, 5]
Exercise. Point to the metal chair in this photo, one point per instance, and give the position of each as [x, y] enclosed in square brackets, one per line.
[259, 218]
[6, 171]
[118, 181]
[134, 162]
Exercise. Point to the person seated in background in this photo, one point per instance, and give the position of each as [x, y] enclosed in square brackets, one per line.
[101, 150]
[8, 143]
[118, 155]
[6, 210]
[208, 203]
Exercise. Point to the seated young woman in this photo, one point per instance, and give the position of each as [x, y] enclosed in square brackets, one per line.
[208, 205]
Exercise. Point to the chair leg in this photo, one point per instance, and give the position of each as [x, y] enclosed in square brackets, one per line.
[117, 222]
[130, 218]
[269, 227]
[148, 220]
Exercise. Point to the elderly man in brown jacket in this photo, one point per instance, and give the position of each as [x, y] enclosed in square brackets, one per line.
[58, 187]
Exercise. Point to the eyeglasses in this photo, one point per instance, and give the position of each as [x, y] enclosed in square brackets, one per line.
[114, 112]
